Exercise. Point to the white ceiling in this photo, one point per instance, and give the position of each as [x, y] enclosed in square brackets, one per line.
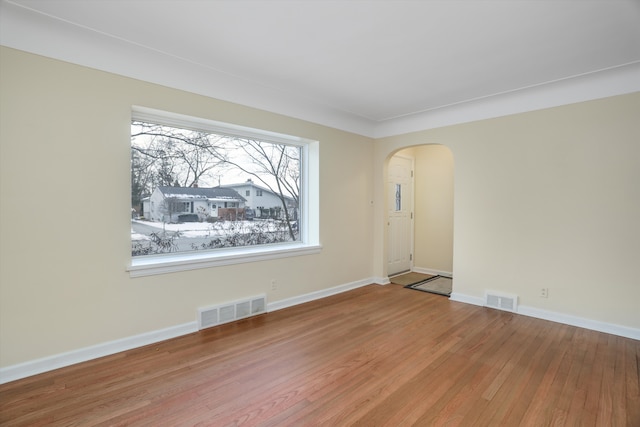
[372, 67]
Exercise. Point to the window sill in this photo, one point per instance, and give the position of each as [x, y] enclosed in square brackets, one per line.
[148, 266]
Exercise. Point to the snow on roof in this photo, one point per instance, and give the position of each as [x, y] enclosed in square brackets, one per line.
[250, 183]
[200, 193]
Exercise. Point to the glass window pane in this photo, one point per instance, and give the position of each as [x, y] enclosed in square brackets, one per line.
[187, 186]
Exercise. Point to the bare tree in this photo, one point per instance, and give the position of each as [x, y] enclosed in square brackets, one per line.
[276, 166]
[164, 155]
[175, 155]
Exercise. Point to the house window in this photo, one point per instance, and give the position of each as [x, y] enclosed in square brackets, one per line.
[175, 206]
[247, 193]
[184, 166]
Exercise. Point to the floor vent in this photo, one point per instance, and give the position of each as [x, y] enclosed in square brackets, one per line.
[228, 312]
[501, 301]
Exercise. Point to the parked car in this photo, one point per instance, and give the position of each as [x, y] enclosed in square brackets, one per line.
[249, 214]
[188, 218]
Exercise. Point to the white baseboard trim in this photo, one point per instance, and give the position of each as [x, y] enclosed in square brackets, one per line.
[381, 280]
[581, 322]
[61, 360]
[290, 302]
[38, 366]
[432, 271]
[467, 299]
[553, 316]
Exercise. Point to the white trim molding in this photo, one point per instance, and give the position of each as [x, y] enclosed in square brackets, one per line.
[553, 316]
[581, 322]
[599, 84]
[308, 206]
[190, 261]
[38, 366]
[467, 299]
[312, 296]
[31, 31]
[45, 364]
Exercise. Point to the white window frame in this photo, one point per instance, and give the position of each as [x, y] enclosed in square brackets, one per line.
[309, 242]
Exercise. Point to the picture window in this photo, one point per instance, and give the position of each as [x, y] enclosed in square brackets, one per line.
[186, 180]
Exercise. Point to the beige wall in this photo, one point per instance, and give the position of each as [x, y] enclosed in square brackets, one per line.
[544, 199]
[548, 198]
[65, 212]
[433, 225]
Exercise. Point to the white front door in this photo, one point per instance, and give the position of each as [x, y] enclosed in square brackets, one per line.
[400, 214]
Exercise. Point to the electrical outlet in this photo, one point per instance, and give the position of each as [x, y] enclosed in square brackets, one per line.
[274, 285]
[544, 292]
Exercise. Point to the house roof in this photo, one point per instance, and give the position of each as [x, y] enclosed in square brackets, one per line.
[200, 193]
[250, 183]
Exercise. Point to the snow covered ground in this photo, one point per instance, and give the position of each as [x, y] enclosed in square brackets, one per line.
[194, 229]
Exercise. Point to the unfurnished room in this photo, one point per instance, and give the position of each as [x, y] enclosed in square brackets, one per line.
[319, 213]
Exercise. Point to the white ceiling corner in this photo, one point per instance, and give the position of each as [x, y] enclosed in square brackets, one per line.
[375, 68]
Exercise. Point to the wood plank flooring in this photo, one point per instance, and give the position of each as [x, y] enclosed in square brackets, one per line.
[374, 356]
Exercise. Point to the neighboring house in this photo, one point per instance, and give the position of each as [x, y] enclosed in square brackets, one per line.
[167, 204]
[265, 202]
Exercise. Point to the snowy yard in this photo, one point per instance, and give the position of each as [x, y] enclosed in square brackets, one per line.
[148, 237]
[197, 229]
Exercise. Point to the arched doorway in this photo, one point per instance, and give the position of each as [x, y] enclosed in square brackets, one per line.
[431, 239]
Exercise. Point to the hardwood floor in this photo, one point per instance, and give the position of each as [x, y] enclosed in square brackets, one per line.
[374, 356]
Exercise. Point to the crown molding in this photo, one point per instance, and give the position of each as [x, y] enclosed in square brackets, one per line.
[33, 32]
[601, 84]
